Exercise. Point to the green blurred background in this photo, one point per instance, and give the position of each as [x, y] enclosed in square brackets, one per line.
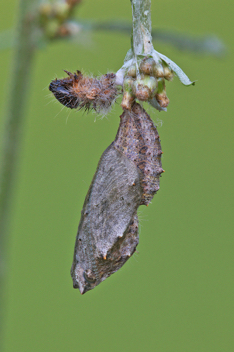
[176, 294]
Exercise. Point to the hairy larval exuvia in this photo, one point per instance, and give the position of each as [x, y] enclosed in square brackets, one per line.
[82, 92]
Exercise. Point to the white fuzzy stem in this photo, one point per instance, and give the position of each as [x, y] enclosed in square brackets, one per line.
[141, 25]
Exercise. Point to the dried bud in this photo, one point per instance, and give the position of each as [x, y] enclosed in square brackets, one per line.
[168, 73]
[127, 101]
[144, 89]
[128, 84]
[152, 84]
[147, 66]
[158, 71]
[162, 99]
[132, 71]
[141, 92]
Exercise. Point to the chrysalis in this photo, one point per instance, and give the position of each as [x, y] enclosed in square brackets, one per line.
[138, 139]
[127, 175]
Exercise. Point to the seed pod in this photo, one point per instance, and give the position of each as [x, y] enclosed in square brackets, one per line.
[78, 91]
[127, 176]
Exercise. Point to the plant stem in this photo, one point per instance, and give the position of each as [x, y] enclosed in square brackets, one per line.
[12, 127]
[141, 24]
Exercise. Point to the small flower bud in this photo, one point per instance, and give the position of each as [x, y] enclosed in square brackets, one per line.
[132, 71]
[140, 90]
[162, 99]
[158, 70]
[61, 10]
[168, 73]
[145, 88]
[127, 84]
[127, 101]
[147, 66]
[152, 84]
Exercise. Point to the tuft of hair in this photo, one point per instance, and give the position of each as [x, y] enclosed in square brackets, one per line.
[80, 92]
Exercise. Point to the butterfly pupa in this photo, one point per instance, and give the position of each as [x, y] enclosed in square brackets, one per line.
[127, 175]
[108, 229]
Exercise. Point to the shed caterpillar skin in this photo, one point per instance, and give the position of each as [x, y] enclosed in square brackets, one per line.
[127, 176]
[78, 91]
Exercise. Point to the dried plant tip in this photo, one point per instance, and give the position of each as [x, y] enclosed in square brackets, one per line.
[78, 91]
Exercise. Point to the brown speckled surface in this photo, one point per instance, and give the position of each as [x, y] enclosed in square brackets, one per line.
[138, 139]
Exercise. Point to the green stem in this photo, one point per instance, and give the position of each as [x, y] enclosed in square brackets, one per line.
[12, 126]
[141, 25]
